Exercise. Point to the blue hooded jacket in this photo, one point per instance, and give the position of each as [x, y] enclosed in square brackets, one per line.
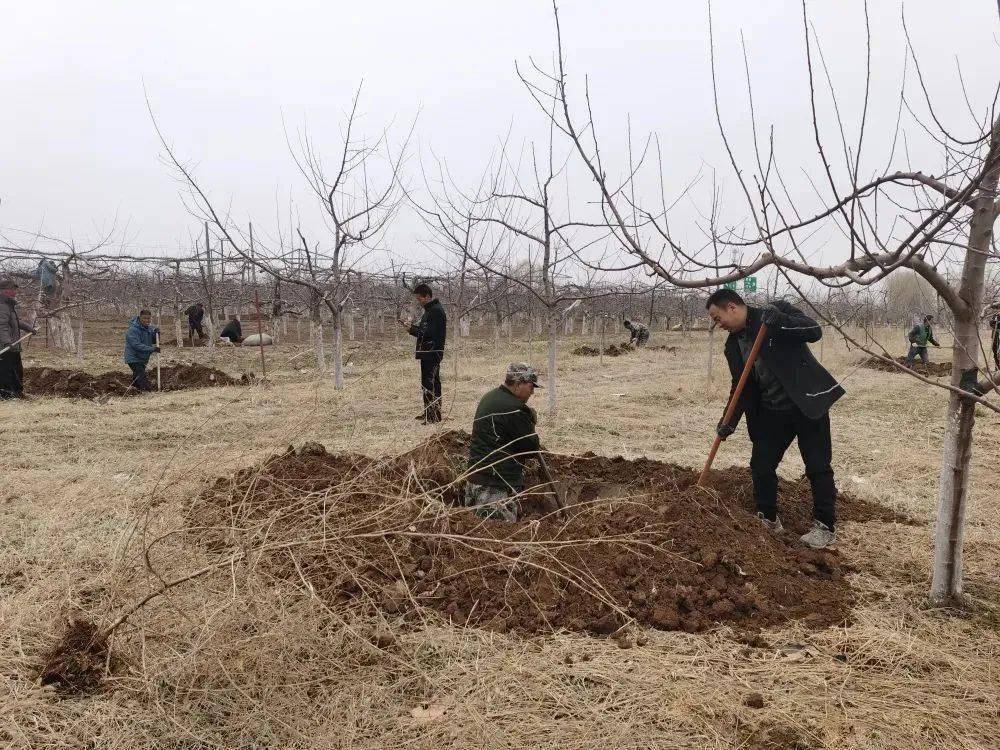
[140, 342]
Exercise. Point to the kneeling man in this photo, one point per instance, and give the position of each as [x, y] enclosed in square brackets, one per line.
[503, 436]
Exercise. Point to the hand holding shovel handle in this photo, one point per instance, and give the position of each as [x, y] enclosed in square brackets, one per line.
[734, 399]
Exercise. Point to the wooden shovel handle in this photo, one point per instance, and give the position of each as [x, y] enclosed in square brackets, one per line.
[734, 399]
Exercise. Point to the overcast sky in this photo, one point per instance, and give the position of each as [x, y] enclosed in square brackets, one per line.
[226, 78]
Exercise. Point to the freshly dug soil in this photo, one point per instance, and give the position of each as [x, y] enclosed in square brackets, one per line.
[934, 369]
[641, 543]
[617, 350]
[50, 381]
[77, 662]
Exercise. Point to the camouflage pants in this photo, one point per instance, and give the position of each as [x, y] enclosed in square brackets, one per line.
[491, 502]
[916, 351]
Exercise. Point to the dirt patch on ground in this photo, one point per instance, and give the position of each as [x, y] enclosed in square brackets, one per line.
[77, 662]
[49, 381]
[641, 543]
[617, 350]
[934, 369]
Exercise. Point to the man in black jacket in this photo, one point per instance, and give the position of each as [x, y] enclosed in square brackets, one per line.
[195, 315]
[788, 397]
[430, 333]
[232, 331]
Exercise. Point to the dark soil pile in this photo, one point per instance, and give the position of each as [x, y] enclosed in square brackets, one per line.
[617, 350]
[50, 381]
[934, 369]
[641, 542]
[77, 662]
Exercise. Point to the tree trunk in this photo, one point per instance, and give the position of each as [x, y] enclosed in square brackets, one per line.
[316, 333]
[956, 453]
[550, 384]
[61, 327]
[79, 341]
[178, 330]
[338, 351]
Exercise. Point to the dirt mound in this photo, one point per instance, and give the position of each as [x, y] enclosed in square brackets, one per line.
[51, 381]
[77, 662]
[641, 543]
[617, 350]
[934, 369]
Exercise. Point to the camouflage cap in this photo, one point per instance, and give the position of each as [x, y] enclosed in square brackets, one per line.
[522, 372]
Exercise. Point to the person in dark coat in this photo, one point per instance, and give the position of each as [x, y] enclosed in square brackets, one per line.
[639, 333]
[919, 336]
[12, 331]
[140, 345]
[233, 331]
[430, 332]
[195, 315]
[788, 397]
[504, 436]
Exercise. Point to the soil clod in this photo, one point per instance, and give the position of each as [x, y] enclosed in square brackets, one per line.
[77, 662]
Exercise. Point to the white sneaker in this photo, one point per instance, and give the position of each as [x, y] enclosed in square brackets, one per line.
[774, 526]
[819, 536]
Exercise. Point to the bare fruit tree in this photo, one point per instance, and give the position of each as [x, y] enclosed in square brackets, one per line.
[895, 217]
[359, 198]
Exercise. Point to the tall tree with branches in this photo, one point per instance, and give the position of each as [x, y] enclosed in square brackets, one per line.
[886, 220]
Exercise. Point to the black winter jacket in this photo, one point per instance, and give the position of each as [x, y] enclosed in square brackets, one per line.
[431, 331]
[785, 352]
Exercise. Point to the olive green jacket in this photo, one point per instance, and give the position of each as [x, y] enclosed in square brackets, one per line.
[503, 436]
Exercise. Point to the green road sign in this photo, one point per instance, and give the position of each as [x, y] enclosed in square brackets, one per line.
[750, 284]
[729, 285]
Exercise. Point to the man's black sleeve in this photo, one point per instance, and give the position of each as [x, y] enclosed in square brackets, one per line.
[794, 325]
[522, 434]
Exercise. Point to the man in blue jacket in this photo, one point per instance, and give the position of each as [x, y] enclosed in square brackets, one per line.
[788, 397]
[140, 344]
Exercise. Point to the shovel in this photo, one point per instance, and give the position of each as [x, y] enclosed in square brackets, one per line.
[12, 344]
[557, 491]
[734, 399]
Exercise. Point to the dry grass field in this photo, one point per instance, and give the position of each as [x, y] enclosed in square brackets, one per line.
[232, 659]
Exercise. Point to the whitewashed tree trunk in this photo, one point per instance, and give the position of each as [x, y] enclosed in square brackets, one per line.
[178, 329]
[61, 331]
[550, 383]
[350, 326]
[956, 452]
[338, 349]
[316, 333]
[79, 341]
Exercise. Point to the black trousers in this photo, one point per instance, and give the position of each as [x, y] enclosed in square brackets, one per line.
[430, 385]
[11, 375]
[771, 433]
[139, 380]
[194, 328]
